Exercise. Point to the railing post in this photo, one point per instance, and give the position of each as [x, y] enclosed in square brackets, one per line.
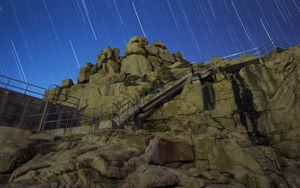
[3, 104]
[43, 117]
[59, 120]
[26, 89]
[24, 110]
[7, 84]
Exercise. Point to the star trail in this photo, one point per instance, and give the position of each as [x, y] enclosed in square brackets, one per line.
[45, 41]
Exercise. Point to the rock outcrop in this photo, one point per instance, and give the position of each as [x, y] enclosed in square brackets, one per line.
[108, 61]
[234, 124]
[113, 77]
[136, 64]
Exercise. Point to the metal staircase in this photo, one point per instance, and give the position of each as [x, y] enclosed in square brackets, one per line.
[131, 108]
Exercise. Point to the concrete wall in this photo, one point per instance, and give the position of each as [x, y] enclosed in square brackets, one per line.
[71, 131]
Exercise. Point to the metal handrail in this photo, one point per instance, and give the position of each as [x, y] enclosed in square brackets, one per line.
[37, 110]
[22, 82]
[16, 87]
[138, 100]
[260, 51]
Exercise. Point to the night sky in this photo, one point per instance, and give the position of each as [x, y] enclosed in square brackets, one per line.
[45, 41]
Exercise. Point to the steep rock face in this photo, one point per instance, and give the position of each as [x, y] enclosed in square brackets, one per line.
[238, 107]
[265, 94]
[236, 125]
[136, 65]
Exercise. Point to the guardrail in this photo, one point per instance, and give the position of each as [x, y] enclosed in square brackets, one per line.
[21, 87]
[128, 106]
[55, 96]
[259, 51]
[24, 105]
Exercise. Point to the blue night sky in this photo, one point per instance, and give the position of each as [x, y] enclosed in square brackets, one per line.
[45, 41]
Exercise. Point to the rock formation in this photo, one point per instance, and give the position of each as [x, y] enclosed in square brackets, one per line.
[234, 125]
[114, 78]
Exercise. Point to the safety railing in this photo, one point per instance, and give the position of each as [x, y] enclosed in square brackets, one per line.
[21, 87]
[130, 104]
[260, 51]
[275, 44]
[24, 105]
[57, 95]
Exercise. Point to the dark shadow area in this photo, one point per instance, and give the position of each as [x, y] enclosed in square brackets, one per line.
[244, 101]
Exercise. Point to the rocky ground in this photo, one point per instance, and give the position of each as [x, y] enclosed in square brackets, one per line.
[236, 127]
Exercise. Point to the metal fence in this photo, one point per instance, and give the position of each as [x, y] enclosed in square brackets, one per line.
[260, 51]
[23, 105]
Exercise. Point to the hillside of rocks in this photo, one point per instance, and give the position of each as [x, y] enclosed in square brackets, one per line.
[237, 126]
[144, 67]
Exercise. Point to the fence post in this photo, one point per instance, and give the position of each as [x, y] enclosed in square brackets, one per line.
[59, 120]
[24, 109]
[43, 117]
[3, 103]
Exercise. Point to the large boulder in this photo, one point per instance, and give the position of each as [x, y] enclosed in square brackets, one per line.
[107, 60]
[136, 65]
[162, 151]
[159, 49]
[18, 146]
[84, 75]
[163, 52]
[136, 45]
[105, 79]
[156, 62]
[151, 176]
[108, 53]
[178, 57]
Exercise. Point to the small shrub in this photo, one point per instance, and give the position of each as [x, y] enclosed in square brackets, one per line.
[160, 128]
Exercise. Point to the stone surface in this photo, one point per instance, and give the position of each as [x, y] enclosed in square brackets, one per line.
[67, 83]
[136, 45]
[84, 75]
[234, 125]
[17, 147]
[162, 151]
[136, 65]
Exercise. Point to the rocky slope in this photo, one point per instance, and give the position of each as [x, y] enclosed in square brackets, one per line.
[113, 78]
[238, 126]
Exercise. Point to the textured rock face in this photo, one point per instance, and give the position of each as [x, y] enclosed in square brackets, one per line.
[136, 45]
[106, 158]
[107, 61]
[84, 74]
[237, 125]
[163, 151]
[238, 107]
[114, 78]
[17, 147]
[136, 65]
